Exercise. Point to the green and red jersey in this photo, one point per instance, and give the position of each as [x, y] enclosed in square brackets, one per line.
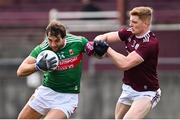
[66, 78]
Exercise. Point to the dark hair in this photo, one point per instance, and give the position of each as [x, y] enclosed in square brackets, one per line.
[55, 28]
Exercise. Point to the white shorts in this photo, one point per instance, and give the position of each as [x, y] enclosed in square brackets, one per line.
[45, 99]
[128, 95]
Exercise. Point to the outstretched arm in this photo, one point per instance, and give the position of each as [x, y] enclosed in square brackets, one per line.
[109, 37]
[125, 62]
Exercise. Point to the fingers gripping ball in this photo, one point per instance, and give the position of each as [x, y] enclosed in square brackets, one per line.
[47, 60]
[100, 48]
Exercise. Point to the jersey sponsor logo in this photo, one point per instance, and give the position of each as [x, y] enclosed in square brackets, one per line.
[69, 63]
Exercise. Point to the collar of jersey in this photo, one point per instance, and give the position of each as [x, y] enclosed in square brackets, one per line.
[143, 35]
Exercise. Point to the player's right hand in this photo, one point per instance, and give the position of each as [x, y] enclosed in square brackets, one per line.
[100, 48]
[46, 65]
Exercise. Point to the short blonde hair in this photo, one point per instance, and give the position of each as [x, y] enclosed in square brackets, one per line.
[144, 13]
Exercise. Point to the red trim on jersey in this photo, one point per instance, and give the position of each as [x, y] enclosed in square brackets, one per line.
[70, 62]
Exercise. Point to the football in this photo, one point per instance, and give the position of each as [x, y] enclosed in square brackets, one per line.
[50, 54]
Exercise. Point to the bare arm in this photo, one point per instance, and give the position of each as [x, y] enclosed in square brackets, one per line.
[109, 37]
[125, 62]
[27, 67]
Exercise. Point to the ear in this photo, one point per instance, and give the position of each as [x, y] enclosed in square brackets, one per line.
[146, 23]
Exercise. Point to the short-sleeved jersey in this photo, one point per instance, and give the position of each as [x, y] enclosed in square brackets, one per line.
[66, 78]
[142, 77]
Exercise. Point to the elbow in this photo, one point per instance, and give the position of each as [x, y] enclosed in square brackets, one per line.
[19, 73]
[124, 67]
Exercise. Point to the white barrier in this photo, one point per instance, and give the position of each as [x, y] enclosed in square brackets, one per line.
[87, 21]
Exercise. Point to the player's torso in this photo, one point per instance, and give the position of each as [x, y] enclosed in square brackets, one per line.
[144, 76]
[67, 76]
[133, 43]
[70, 56]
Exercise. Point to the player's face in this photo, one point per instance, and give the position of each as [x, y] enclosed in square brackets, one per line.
[137, 25]
[55, 43]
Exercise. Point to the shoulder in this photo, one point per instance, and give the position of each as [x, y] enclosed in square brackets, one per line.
[70, 38]
[127, 30]
[150, 39]
[73, 39]
[44, 44]
[124, 33]
[39, 48]
[149, 46]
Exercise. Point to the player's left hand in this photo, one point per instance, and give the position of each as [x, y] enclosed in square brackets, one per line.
[100, 47]
[45, 65]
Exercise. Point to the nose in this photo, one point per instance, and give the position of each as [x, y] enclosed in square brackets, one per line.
[53, 44]
[130, 24]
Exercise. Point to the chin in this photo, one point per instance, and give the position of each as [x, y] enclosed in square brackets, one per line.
[135, 32]
[55, 49]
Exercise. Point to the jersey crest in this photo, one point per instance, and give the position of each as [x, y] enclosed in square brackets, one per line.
[71, 52]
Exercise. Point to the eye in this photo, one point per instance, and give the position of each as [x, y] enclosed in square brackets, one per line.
[56, 40]
[50, 40]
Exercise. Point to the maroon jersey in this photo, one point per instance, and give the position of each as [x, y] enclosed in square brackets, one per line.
[142, 77]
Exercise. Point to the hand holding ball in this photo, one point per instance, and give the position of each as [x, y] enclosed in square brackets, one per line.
[47, 60]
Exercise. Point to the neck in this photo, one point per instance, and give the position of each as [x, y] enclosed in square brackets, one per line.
[143, 34]
[63, 44]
